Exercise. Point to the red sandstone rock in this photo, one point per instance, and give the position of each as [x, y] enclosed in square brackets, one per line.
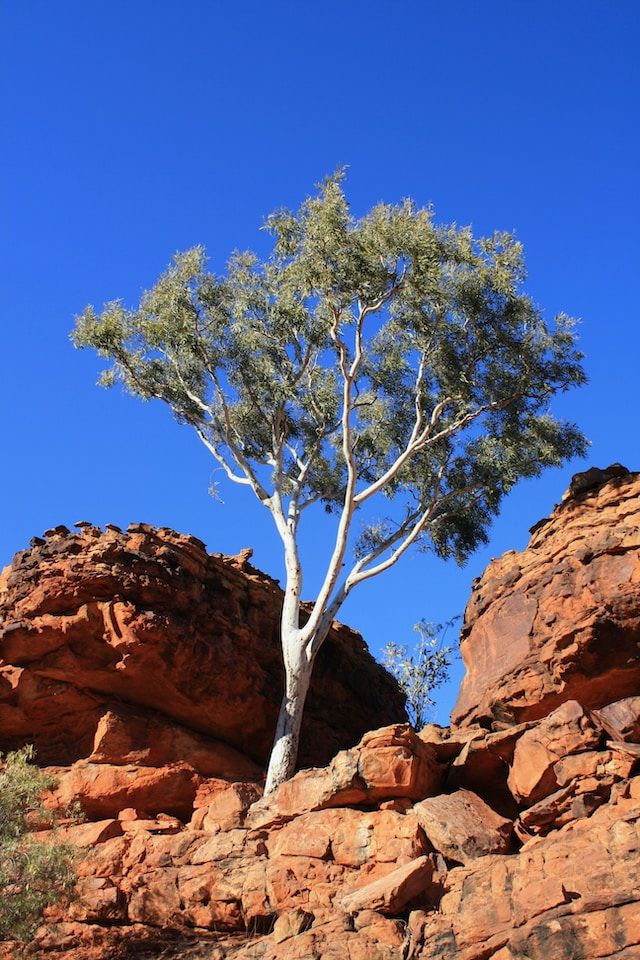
[370, 863]
[594, 764]
[350, 837]
[565, 731]
[229, 807]
[270, 883]
[392, 893]
[335, 939]
[572, 894]
[621, 720]
[86, 834]
[165, 825]
[122, 737]
[291, 924]
[147, 618]
[586, 781]
[560, 620]
[130, 813]
[103, 789]
[447, 743]
[208, 790]
[387, 763]
[462, 827]
[483, 766]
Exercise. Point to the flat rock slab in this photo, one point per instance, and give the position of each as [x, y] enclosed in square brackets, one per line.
[392, 893]
[462, 827]
[566, 731]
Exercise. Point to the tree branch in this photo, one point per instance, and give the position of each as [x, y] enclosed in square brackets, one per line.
[335, 564]
[241, 460]
[218, 456]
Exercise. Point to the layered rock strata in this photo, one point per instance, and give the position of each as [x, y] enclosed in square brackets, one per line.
[141, 650]
[380, 856]
[505, 837]
[561, 619]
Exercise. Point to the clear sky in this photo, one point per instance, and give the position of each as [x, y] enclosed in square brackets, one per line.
[134, 128]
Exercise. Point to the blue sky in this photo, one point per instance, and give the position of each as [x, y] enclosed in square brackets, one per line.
[133, 129]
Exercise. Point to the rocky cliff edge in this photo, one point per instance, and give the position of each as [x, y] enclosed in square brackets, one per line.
[512, 835]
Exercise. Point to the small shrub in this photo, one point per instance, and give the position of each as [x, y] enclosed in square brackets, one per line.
[33, 873]
[421, 670]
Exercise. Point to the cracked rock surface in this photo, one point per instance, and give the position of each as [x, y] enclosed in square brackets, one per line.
[512, 835]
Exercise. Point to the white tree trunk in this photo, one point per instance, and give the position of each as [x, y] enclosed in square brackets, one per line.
[299, 649]
[285, 744]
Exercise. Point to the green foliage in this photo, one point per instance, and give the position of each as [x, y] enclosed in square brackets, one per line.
[33, 874]
[356, 341]
[422, 670]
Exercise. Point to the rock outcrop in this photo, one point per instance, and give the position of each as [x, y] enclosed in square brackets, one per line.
[141, 650]
[512, 835]
[560, 620]
[380, 857]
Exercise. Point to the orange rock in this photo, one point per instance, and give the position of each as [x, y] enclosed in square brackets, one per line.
[448, 743]
[349, 837]
[167, 825]
[291, 924]
[229, 807]
[104, 790]
[127, 737]
[334, 939]
[559, 621]
[156, 901]
[361, 832]
[566, 731]
[394, 762]
[586, 781]
[208, 789]
[389, 763]
[90, 834]
[79, 834]
[601, 765]
[483, 766]
[573, 893]
[621, 719]
[462, 827]
[390, 895]
[92, 620]
[130, 813]
[399, 805]
[303, 882]
[97, 900]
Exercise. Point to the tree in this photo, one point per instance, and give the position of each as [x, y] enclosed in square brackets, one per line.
[422, 670]
[382, 359]
[33, 874]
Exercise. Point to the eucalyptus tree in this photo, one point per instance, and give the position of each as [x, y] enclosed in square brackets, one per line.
[386, 368]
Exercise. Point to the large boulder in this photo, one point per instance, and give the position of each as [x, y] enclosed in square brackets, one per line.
[560, 620]
[140, 647]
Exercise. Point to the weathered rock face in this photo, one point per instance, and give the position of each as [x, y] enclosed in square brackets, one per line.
[487, 841]
[140, 648]
[379, 857]
[561, 620]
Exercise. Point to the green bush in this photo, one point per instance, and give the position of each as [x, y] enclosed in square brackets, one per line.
[33, 873]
